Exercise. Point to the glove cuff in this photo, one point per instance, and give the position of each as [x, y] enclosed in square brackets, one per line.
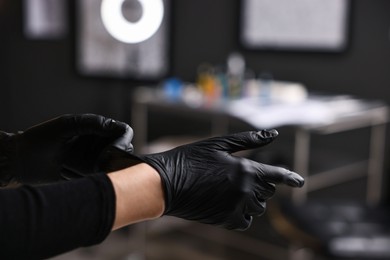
[168, 196]
[116, 159]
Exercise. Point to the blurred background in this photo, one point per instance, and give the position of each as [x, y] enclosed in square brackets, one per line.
[59, 57]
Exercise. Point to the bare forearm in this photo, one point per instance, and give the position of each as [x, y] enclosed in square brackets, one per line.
[139, 195]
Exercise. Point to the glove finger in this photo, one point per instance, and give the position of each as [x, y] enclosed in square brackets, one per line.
[241, 141]
[102, 126]
[95, 124]
[264, 190]
[274, 174]
[124, 142]
[238, 221]
[255, 205]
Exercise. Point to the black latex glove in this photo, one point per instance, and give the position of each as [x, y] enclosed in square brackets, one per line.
[203, 181]
[39, 154]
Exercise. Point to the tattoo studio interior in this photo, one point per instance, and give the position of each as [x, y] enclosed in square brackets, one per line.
[178, 71]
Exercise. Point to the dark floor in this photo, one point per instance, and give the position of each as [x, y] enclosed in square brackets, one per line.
[170, 238]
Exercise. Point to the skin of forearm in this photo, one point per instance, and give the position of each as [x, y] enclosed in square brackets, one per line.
[139, 195]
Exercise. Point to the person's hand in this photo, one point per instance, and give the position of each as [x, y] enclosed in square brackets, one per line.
[60, 148]
[203, 181]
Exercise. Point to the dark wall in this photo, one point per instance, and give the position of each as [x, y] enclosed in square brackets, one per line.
[208, 32]
[38, 79]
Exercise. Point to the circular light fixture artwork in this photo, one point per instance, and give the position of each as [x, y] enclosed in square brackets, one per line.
[132, 32]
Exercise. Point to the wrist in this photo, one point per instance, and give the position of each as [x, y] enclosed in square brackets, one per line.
[152, 190]
[139, 194]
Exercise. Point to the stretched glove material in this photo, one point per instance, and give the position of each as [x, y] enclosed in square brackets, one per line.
[203, 181]
[40, 153]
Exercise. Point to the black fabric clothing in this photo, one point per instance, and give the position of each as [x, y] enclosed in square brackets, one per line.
[43, 221]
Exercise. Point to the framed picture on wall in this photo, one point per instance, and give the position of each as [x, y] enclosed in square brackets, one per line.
[45, 19]
[298, 25]
[123, 38]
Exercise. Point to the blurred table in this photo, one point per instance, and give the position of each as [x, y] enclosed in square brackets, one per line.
[318, 114]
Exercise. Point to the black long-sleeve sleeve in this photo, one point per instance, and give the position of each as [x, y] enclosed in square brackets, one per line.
[43, 221]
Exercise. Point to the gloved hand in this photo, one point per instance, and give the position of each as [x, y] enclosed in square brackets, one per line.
[203, 181]
[39, 154]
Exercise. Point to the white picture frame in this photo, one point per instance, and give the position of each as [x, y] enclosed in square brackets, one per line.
[295, 25]
[99, 53]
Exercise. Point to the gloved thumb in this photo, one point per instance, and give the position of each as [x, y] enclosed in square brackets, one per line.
[241, 141]
[87, 124]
